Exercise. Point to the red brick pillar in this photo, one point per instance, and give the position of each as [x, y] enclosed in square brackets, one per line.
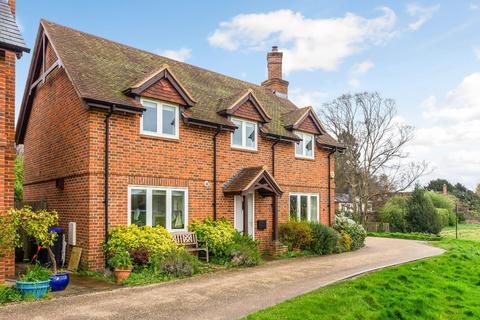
[7, 147]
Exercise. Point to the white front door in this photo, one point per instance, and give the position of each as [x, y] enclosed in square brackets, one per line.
[239, 213]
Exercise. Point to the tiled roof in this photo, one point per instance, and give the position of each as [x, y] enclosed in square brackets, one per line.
[244, 180]
[10, 37]
[102, 70]
[328, 141]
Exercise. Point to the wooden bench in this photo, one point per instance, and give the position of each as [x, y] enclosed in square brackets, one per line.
[190, 241]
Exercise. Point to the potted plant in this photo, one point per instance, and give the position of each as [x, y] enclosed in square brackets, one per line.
[122, 266]
[39, 225]
[35, 282]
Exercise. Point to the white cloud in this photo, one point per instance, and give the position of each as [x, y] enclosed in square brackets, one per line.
[308, 44]
[473, 6]
[358, 71]
[182, 54]
[450, 133]
[422, 14]
[303, 98]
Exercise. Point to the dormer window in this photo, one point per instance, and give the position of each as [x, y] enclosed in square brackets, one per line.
[159, 119]
[305, 147]
[245, 136]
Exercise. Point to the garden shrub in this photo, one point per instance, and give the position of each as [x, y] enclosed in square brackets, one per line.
[421, 214]
[121, 261]
[296, 235]
[131, 238]
[346, 241]
[219, 234]
[355, 230]
[140, 256]
[36, 273]
[324, 239]
[393, 213]
[244, 251]
[176, 262]
[8, 294]
[444, 216]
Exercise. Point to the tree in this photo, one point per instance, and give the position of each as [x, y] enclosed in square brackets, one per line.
[477, 190]
[18, 185]
[421, 214]
[374, 161]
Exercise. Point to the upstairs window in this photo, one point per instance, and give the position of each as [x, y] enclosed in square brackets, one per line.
[159, 119]
[304, 148]
[245, 136]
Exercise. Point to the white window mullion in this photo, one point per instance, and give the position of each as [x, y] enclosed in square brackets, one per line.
[169, 210]
[308, 208]
[298, 208]
[159, 118]
[149, 207]
[244, 134]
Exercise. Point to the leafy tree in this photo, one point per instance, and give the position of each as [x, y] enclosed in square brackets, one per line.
[18, 185]
[477, 190]
[393, 212]
[421, 214]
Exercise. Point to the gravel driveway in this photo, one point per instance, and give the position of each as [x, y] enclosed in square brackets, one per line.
[228, 294]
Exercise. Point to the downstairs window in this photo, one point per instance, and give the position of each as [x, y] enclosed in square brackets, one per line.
[158, 206]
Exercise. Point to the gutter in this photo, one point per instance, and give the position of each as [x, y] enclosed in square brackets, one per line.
[219, 128]
[106, 169]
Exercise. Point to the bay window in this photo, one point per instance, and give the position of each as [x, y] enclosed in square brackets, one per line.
[159, 119]
[304, 206]
[305, 147]
[245, 136]
[158, 206]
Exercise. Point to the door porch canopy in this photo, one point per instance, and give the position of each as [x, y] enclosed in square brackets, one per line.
[258, 179]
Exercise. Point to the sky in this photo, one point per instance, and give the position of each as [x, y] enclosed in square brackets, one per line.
[423, 54]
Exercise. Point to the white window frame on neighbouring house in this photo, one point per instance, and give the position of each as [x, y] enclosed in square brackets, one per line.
[242, 124]
[304, 136]
[309, 196]
[149, 216]
[160, 105]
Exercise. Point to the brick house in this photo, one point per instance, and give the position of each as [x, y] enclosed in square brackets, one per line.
[165, 142]
[11, 45]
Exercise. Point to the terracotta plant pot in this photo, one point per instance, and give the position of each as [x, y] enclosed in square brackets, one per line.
[121, 274]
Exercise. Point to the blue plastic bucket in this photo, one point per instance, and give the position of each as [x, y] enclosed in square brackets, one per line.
[37, 289]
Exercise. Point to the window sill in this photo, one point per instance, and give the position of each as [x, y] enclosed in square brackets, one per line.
[304, 158]
[155, 137]
[244, 149]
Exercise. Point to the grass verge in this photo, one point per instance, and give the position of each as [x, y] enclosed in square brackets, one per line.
[442, 287]
[410, 236]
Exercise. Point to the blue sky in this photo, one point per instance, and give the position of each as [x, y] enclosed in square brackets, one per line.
[425, 55]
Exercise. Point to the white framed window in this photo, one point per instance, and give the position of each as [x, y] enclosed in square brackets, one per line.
[305, 148]
[159, 119]
[158, 206]
[245, 136]
[304, 206]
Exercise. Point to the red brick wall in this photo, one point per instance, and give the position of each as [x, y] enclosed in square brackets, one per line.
[7, 148]
[64, 139]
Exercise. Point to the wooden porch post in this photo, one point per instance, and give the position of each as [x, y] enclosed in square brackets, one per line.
[245, 214]
[275, 218]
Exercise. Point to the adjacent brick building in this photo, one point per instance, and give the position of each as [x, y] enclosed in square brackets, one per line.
[12, 45]
[165, 142]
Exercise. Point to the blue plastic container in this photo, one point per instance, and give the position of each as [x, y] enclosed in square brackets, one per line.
[59, 281]
[37, 289]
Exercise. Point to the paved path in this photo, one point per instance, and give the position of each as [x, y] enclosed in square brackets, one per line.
[225, 295]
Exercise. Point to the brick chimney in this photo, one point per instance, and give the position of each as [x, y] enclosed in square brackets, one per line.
[445, 189]
[275, 81]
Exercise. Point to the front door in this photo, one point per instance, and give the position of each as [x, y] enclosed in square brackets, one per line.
[239, 213]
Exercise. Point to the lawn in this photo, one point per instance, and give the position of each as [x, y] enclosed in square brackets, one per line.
[465, 231]
[442, 287]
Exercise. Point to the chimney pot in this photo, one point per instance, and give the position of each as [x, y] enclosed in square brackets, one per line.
[274, 48]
